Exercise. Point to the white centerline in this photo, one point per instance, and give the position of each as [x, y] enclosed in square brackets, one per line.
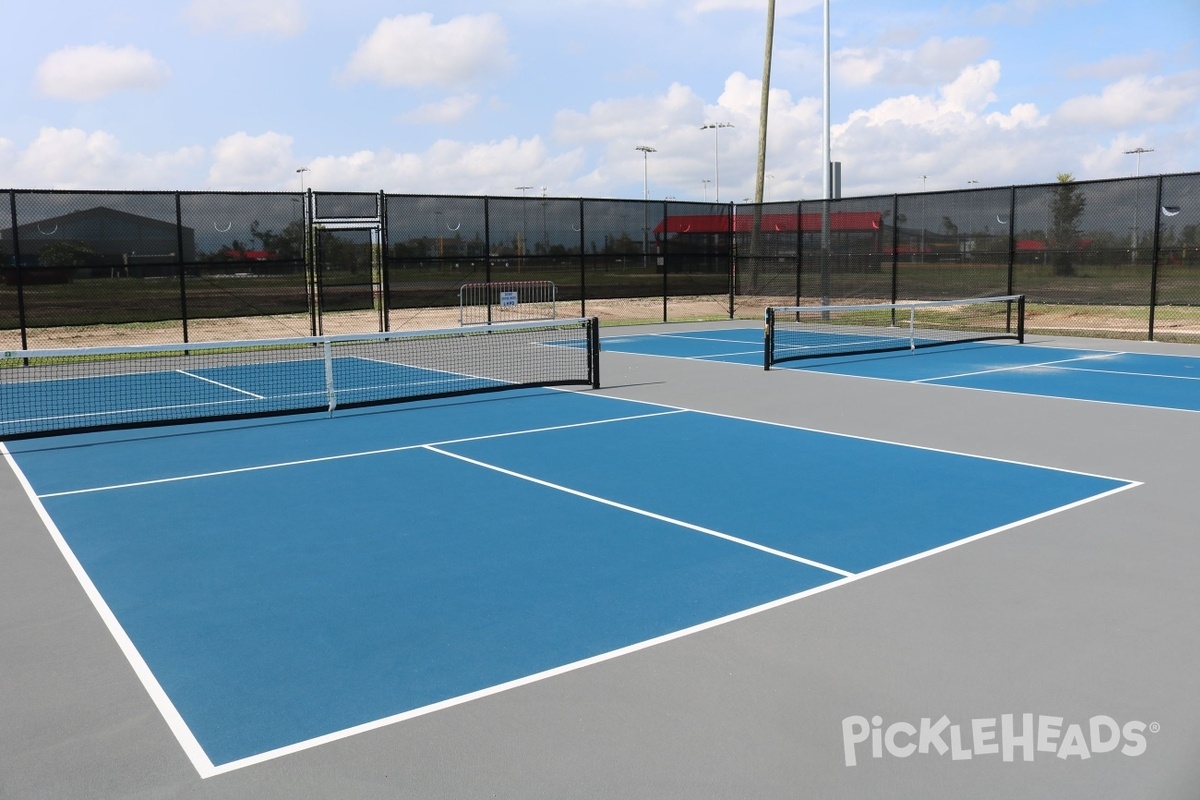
[643, 512]
[222, 385]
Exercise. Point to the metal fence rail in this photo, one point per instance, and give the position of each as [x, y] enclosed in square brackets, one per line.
[506, 301]
[1110, 258]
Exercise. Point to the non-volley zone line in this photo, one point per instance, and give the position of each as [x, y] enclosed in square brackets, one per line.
[1037, 365]
[355, 454]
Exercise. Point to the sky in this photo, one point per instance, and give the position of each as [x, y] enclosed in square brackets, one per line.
[557, 95]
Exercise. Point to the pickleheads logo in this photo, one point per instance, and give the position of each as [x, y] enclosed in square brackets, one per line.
[1027, 734]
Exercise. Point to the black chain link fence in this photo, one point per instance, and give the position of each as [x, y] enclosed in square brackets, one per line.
[1117, 258]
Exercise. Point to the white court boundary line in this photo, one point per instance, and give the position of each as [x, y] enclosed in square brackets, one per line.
[637, 646]
[183, 734]
[206, 769]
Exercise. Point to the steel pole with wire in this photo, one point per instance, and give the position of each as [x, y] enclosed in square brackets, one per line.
[716, 129]
[645, 150]
[826, 177]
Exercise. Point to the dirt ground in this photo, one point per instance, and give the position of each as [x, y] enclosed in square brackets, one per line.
[1114, 322]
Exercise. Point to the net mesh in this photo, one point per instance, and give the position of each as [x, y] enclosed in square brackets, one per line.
[52, 391]
[797, 332]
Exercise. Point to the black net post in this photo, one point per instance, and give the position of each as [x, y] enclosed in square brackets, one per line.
[594, 351]
[768, 341]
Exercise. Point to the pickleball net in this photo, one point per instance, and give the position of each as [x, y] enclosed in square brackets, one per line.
[799, 332]
[62, 390]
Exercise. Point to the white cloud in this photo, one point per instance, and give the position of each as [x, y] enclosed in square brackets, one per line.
[948, 135]
[278, 17]
[242, 161]
[91, 72]
[452, 167]
[1013, 12]
[933, 62]
[1134, 100]
[625, 119]
[785, 8]
[972, 90]
[72, 158]
[1021, 115]
[413, 51]
[685, 157]
[447, 111]
[1115, 67]
[963, 99]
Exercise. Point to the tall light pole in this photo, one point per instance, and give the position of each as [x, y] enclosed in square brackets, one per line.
[826, 176]
[827, 146]
[545, 229]
[1137, 189]
[705, 182]
[645, 150]
[301, 172]
[1138, 152]
[716, 129]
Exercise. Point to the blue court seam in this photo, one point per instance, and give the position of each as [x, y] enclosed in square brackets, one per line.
[360, 454]
[642, 512]
[1015, 368]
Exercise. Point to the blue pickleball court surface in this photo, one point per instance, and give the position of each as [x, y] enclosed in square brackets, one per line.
[1108, 376]
[286, 581]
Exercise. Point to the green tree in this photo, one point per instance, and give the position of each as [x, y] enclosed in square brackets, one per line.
[1066, 207]
[67, 254]
[287, 245]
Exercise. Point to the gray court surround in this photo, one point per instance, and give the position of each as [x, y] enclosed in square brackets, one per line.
[1084, 615]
